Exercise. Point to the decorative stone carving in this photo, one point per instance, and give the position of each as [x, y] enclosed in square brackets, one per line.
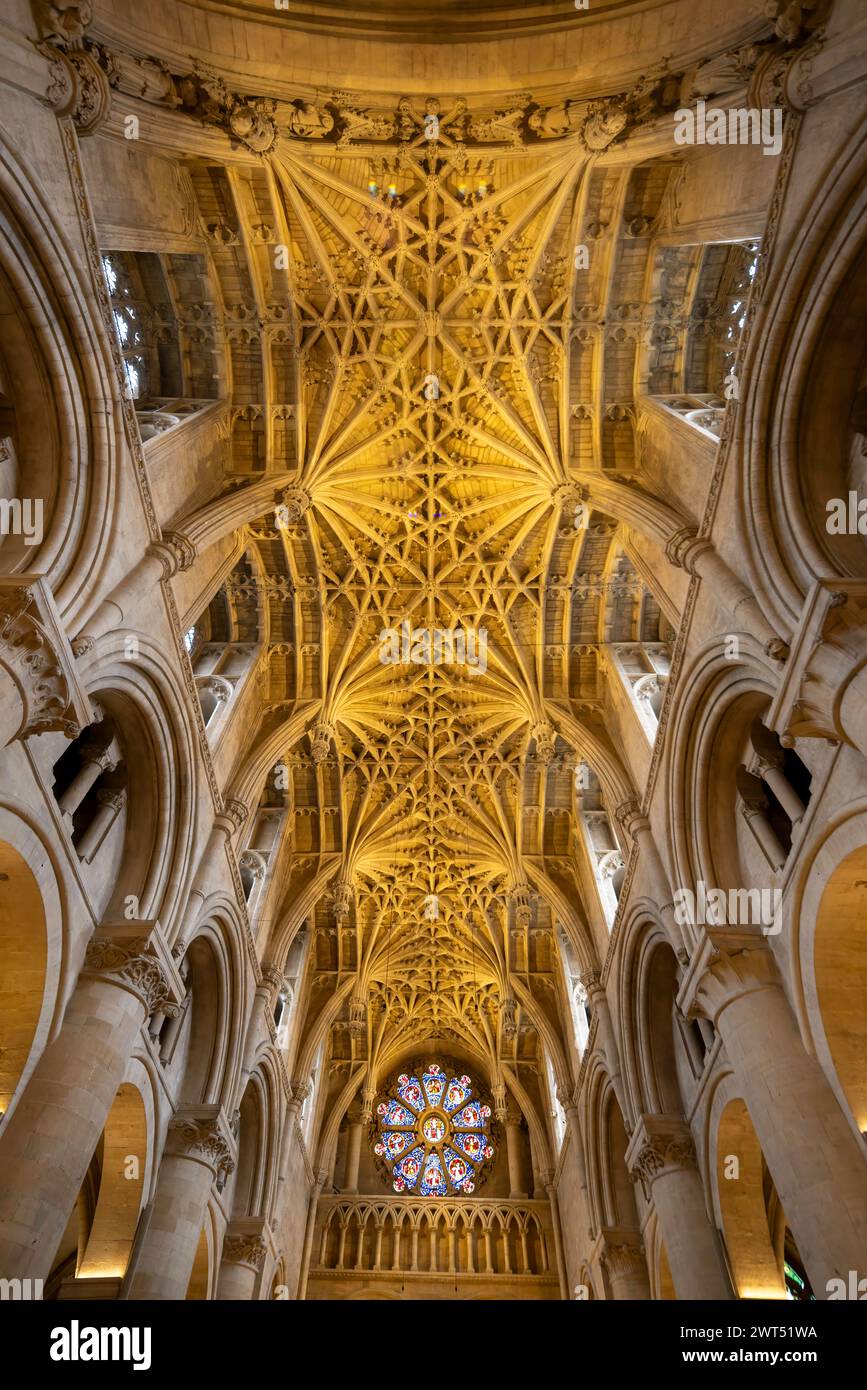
[175, 552]
[310, 122]
[342, 896]
[605, 121]
[294, 502]
[203, 1133]
[660, 1145]
[358, 1015]
[132, 964]
[236, 811]
[62, 21]
[245, 1249]
[545, 738]
[321, 736]
[32, 657]
[508, 1019]
[248, 121]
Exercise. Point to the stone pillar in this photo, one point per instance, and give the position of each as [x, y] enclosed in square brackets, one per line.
[230, 820]
[245, 1249]
[636, 825]
[48, 1141]
[95, 761]
[817, 1163]
[622, 1252]
[161, 560]
[318, 1184]
[513, 1150]
[199, 1149]
[353, 1156]
[550, 1188]
[696, 554]
[661, 1156]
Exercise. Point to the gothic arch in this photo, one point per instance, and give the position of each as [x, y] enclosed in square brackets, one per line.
[800, 393]
[61, 339]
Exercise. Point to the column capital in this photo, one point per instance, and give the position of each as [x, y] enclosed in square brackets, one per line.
[203, 1133]
[631, 818]
[175, 552]
[621, 1249]
[660, 1144]
[681, 547]
[730, 962]
[248, 1242]
[36, 655]
[235, 812]
[135, 957]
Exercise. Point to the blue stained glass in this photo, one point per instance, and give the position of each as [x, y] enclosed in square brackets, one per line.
[397, 1144]
[409, 1167]
[457, 1092]
[458, 1170]
[433, 1183]
[395, 1116]
[471, 1145]
[470, 1117]
[434, 1082]
[434, 1137]
[410, 1092]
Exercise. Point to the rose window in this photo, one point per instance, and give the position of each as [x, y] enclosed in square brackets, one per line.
[433, 1133]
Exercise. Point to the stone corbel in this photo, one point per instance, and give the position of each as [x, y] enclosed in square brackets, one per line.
[78, 87]
[36, 656]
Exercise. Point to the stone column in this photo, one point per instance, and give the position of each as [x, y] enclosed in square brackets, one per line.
[245, 1249]
[162, 559]
[48, 1141]
[230, 820]
[353, 1156]
[513, 1150]
[199, 1149]
[636, 825]
[318, 1184]
[696, 554]
[661, 1156]
[550, 1188]
[622, 1252]
[817, 1163]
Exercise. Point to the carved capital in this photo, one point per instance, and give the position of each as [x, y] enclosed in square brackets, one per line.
[235, 811]
[245, 1248]
[133, 956]
[729, 964]
[175, 552]
[680, 547]
[660, 1144]
[34, 652]
[202, 1133]
[630, 818]
[623, 1253]
[78, 88]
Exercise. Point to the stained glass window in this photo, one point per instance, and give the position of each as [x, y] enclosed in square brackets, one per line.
[433, 1133]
